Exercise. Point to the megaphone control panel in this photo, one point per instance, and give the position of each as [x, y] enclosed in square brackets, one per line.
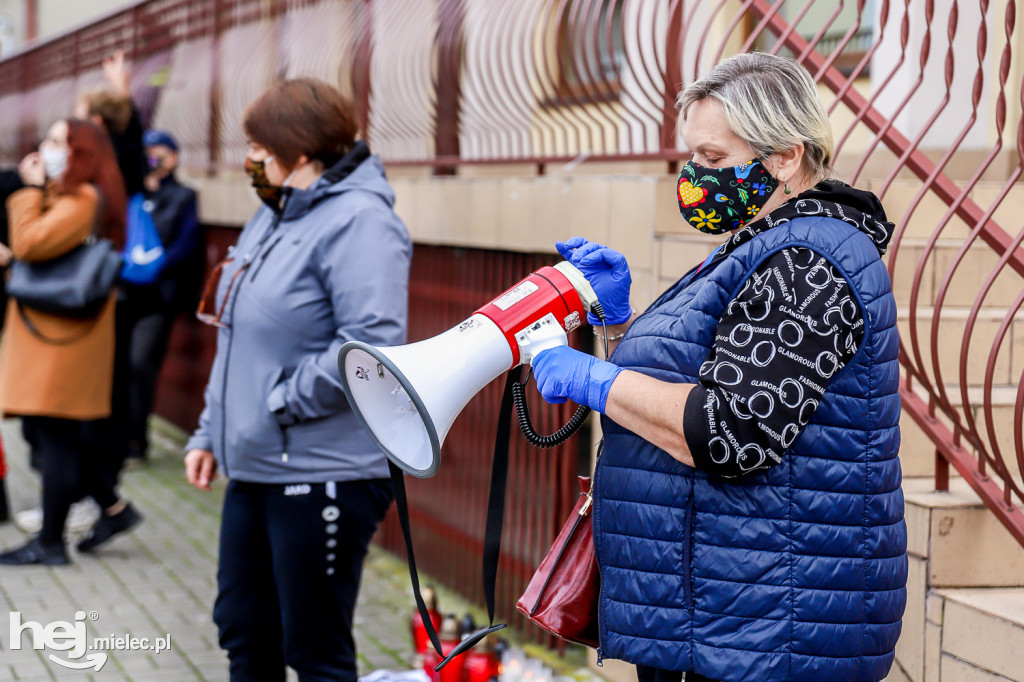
[543, 334]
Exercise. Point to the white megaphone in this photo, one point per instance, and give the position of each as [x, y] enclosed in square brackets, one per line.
[407, 397]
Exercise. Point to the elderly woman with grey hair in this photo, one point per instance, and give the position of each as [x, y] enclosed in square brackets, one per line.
[748, 517]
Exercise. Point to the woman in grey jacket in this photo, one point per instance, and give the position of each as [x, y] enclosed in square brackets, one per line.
[325, 261]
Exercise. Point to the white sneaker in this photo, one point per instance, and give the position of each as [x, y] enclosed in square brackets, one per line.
[81, 517]
[30, 520]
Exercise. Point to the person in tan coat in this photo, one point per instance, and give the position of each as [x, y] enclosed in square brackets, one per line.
[56, 372]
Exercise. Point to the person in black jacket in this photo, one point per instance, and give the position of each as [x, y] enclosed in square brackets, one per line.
[10, 182]
[114, 110]
[148, 312]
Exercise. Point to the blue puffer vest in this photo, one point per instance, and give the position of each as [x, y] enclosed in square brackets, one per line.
[794, 573]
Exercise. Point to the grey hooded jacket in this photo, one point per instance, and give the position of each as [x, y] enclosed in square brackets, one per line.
[333, 266]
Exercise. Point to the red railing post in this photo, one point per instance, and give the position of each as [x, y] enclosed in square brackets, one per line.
[673, 78]
[215, 86]
[941, 472]
[449, 91]
[363, 53]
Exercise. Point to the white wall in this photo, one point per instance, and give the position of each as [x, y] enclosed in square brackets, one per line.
[12, 26]
[927, 99]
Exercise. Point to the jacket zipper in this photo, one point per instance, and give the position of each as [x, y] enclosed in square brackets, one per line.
[227, 359]
[691, 516]
[263, 256]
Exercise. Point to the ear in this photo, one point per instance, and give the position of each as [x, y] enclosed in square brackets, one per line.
[787, 164]
[98, 120]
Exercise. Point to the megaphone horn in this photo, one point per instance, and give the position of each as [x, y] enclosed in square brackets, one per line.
[407, 397]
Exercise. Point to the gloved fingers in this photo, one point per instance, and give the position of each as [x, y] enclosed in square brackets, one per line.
[550, 388]
[552, 399]
[605, 256]
[546, 360]
[581, 253]
[566, 248]
[549, 370]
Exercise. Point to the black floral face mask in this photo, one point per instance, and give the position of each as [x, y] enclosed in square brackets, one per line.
[719, 200]
[269, 194]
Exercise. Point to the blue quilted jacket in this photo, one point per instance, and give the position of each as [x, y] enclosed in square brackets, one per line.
[794, 573]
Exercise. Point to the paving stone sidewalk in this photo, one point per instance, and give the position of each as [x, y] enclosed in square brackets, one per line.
[159, 581]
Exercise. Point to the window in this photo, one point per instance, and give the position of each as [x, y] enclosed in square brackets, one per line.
[820, 14]
[590, 51]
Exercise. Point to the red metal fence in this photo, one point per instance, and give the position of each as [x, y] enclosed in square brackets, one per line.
[927, 113]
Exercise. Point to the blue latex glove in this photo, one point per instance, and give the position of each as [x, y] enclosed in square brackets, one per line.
[564, 372]
[607, 272]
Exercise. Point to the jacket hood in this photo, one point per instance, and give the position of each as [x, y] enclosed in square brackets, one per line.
[854, 206]
[357, 170]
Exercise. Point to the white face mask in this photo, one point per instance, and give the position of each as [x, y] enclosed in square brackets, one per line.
[55, 161]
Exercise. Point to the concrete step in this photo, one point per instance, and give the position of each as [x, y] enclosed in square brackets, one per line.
[917, 453]
[965, 591]
[967, 280]
[952, 328]
[901, 194]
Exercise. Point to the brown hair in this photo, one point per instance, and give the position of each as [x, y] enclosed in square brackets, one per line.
[92, 160]
[299, 117]
[113, 108]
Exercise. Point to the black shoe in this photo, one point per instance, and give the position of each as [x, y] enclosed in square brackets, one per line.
[109, 526]
[34, 552]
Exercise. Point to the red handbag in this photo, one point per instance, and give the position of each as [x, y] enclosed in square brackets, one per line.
[562, 595]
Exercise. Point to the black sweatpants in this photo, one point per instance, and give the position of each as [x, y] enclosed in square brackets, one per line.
[291, 557]
[69, 453]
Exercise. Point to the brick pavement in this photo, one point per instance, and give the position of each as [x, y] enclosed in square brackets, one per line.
[159, 581]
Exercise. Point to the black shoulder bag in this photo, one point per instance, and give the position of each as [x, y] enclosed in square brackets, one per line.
[76, 284]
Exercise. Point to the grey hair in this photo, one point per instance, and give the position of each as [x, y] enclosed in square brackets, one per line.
[772, 104]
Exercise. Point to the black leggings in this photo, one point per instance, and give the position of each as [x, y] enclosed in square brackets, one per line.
[646, 674]
[291, 557]
[69, 453]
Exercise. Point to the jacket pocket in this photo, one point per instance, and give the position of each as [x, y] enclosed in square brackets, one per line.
[255, 430]
[276, 400]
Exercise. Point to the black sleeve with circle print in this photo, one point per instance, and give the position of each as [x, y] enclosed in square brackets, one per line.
[792, 326]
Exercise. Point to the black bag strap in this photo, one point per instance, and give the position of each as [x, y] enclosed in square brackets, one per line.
[54, 341]
[492, 534]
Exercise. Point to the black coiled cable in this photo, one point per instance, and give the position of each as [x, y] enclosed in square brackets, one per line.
[575, 422]
[526, 425]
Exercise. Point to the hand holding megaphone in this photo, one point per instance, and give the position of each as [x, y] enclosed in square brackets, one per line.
[565, 372]
[607, 272]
